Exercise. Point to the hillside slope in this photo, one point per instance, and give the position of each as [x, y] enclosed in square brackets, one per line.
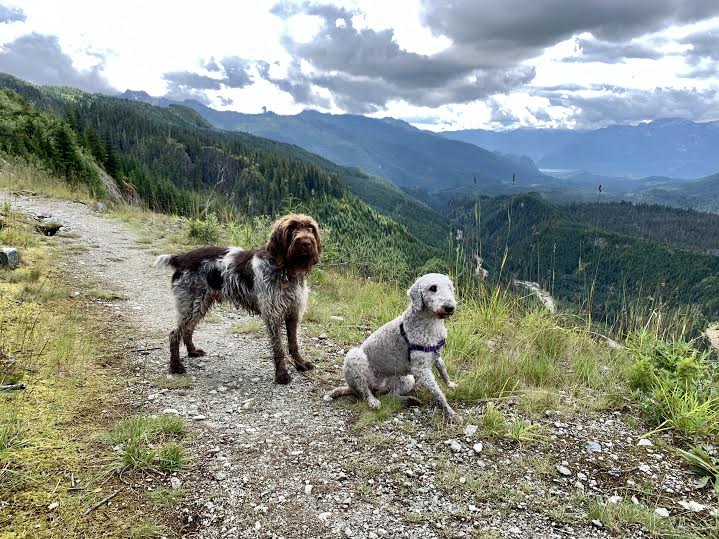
[389, 148]
[176, 162]
[584, 265]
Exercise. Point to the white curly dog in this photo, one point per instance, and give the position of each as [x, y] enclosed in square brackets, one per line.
[403, 351]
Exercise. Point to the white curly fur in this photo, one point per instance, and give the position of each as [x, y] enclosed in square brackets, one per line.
[383, 363]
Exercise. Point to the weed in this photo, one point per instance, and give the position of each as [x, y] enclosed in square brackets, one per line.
[135, 442]
[205, 231]
[390, 406]
[163, 497]
[175, 381]
[252, 325]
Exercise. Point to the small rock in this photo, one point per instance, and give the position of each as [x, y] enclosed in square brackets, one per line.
[373, 535]
[645, 442]
[170, 411]
[53, 506]
[308, 489]
[324, 517]
[337, 318]
[662, 512]
[579, 485]
[470, 430]
[594, 447]
[564, 470]
[477, 447]
[695, 507]
[199, 417]
[175, 483]
[9, 257]
[614, 499]
[597, 523]
[455, 446]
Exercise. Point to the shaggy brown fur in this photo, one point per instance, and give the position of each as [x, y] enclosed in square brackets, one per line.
[268, 281]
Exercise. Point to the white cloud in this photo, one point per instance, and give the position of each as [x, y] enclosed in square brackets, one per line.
[134, 45]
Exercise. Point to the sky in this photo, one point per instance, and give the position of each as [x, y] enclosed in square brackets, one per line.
[438, 64]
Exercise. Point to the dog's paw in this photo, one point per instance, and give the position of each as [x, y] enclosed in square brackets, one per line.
[303, 366]
[452, 385]
[177, 368]
[283, 377]
[197, 352]
[373, 403]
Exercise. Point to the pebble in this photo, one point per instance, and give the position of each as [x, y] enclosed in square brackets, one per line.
[594, 447]
[693, 506]
[662, 512]
[53, 506]
[170, 411]
[614, 499]
[597, 523]
[308, 489]
[175, 483]
[564, 470]
[470, 430]
[455, 446]
[199, 417]
[645, 442]
[477, 447]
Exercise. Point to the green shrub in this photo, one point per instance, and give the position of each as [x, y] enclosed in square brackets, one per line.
[205, 231]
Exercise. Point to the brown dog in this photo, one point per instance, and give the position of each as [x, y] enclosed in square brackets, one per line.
[268, 281]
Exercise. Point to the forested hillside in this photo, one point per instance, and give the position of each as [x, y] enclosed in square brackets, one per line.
[701, 194]
[671, 226]
[176, 162]
[579, 263]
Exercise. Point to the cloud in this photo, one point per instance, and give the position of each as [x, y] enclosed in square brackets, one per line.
[703, 45]
[622, 105]
[518, 29]
[597, 50]
[11, 14]
[364, 69]
[39, 59]
[234, 72]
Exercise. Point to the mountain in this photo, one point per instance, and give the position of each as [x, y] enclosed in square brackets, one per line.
[701, 194]
[594, 259]
[176, 162]
[534, 143]
[386, 147]
[670, 147]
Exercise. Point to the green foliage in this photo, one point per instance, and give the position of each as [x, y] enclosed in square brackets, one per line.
[677, 386]
[623, 281]
[205, 231]
[44, 140]
[146, 443]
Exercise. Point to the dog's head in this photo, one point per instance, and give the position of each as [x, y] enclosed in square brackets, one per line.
[434, 293]
[295, 243]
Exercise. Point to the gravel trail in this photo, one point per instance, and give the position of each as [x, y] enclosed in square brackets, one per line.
[277, 461]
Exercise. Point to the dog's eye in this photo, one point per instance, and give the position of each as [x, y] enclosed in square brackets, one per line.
[433, 288]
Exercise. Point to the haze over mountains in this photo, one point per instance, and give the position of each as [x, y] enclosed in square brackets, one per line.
[670, 147]
[652, 162]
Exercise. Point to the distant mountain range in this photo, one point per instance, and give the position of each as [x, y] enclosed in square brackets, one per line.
[669, 147]
[393, 149]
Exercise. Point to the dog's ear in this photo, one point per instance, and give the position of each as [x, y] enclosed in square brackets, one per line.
[316, 232]
[415, 296]
[277, 241]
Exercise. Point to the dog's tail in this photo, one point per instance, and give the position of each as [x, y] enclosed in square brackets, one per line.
[165, 261]
[338, 392]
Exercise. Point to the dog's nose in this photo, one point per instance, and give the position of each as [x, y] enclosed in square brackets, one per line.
[449, 309]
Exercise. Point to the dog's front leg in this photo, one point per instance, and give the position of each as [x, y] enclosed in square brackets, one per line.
[274, 329]
[442, 368]
[424, 376]
[293, 325]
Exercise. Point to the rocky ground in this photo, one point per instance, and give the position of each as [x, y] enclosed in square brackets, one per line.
[277, 461]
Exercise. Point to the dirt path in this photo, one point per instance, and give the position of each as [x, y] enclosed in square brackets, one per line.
[276, 461]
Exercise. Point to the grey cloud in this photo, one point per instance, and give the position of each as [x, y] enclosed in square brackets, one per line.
[187, 79]
[704, 45]
[364, 69]
[234, 73]
[39, 59]
[11, 14]
[520, 29]
[630, 106]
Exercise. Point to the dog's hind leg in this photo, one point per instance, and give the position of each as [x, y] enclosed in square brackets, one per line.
[341, 391]
[357, 372]
[292, 324]
[401, 386]
[199, 311]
